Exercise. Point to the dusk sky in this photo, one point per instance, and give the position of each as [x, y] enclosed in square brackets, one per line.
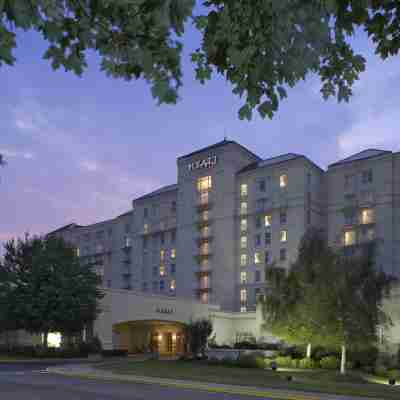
[80, 149]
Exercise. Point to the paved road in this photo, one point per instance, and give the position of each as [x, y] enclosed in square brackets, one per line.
[21, 382]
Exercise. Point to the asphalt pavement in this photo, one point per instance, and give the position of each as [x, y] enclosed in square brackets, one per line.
[32, 382]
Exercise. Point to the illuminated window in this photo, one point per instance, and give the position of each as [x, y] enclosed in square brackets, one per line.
[162, 270]
[77, 252]
[283, 216]
[205, 282]
[243, 242]
[172, 285]
[173, 253]
[243, 295]
[205, 231]
[367, 216]
[243, 207]
[146, 228]
[205, 249]
[204, 298]
[204, 264]
[267, 220]
[204, 215]
[257, 257]
[243, 260]
[204, 183]
[162, 255]
[283, 181]
[243, 189]
[243, 224]
[128, 241]
[349, 238]
[204, 197]
[284, 236]
[371, 234]
[243, 277]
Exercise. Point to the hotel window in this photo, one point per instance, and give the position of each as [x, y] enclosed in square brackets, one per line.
[283, 216]
[162, 285]
[155, 271]
[162, 238]
[172, 285]
[128, 241]
[173, 269]
[204, 215]
[204, 282]
[155, 285]
[349, 238]
[173, 207]
[367, 176]
[243, 260]
[205, 232]
[283, 236]
[243, 207]
[282, 254]
[144, 286]
[243, 224]
[367, 216]
[261, 204]
[205, 249]
[173, 236]
[370, 234]
[204, 298]
[243, 295]
[109, 231]
[144, 243]
[243, 189]
[154, 209]
[162, 255]
[77, 252]
[162, 270]
[204, 264]
[267, 238]
[146, 228]
[257, 257]
[266, 257]
[258, 221]
[127, 228]
[173, 253]
[261, 185]
[203, 198]
[283, 181]
[257, 276]
[145, 212]
[243, 242]
[257, 240]
[243, 277]
[204, 183]
[257, 293]
[267, 220]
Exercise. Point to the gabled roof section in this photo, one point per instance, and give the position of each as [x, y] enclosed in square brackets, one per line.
[362, 155]
[164, 189]
[272, 161]
[216, 146]
[64, 228]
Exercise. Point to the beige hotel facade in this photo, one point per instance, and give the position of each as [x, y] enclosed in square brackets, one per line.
[200, 247]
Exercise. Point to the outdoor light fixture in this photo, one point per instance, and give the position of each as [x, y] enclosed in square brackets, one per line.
[174, 337]
[160, 337]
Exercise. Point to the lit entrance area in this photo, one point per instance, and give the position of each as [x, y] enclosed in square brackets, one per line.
[163, 337]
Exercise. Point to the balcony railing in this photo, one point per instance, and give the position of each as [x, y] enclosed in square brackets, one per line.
[204, 239]
[203, 256]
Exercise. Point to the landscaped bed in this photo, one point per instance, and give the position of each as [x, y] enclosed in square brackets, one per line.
[325, 381]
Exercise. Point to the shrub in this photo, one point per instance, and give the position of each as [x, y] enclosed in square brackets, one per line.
[246, 345]
[251, 361]
[284, 362]
[307, 363]
[329, 362]
[381, 370]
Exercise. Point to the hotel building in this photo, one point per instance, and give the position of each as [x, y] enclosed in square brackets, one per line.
[201, 246]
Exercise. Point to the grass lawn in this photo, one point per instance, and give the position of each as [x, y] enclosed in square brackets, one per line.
[314, 380]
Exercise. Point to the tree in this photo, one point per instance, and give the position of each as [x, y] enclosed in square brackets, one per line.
[199, 332]
[261, 47]
[328, 299]
[45, 288]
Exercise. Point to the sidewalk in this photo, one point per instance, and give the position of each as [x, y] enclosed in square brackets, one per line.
[87, 371]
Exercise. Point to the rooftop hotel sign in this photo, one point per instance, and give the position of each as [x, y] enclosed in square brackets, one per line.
[205, 163]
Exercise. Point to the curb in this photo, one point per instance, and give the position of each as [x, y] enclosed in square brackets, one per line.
[253, 392]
